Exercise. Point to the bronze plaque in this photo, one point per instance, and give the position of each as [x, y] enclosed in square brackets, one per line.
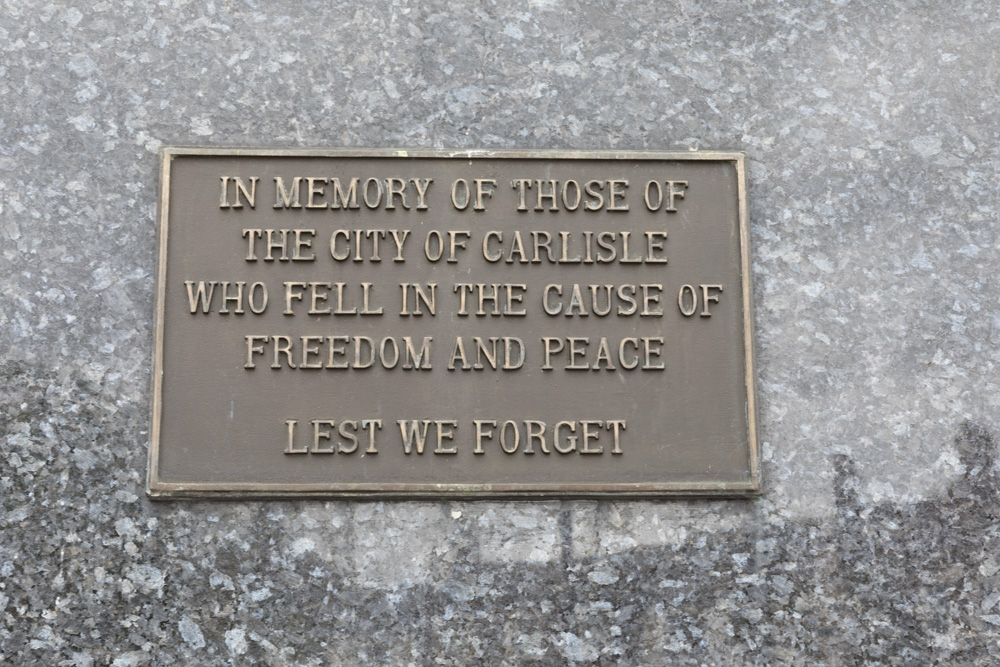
[383, 323]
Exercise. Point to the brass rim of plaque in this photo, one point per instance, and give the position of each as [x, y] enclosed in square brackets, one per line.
[157, 489]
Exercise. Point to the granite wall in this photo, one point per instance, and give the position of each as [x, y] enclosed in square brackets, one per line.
[871, 131]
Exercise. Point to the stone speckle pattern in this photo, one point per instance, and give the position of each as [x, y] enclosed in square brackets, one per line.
[871, 131]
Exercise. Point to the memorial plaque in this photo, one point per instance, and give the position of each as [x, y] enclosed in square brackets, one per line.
[376, 323]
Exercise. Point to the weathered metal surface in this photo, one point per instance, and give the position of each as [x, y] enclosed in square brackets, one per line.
[556, 323]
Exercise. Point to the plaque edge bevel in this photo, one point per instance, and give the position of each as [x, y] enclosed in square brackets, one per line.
[152, 466]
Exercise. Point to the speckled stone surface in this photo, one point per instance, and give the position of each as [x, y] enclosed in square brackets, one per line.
[874, 175]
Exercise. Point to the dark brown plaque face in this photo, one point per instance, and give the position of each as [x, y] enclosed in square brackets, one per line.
[372, 323]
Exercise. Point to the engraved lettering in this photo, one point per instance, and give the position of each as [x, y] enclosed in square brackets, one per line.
[228, 298]
[419, 296]
[543, 195]
[616, 194]
[568, 443]
[413, 434]
[576, 197]
[309, 352]
[587, 435]
[654, 244]
[520, 184]
[675, 190]
[372, 201]
[240, 190]
[465, 196]
[283, 198]
[514, 440]
[348, 431]
[595, 196]
[574, 353]
[344, 199]
[421, 186]
[290, 447]
[707, 296]
[687, 294]
[482, 191]
[253, 348]
[536, 433]
[313, 191]
[320, 434]
[201, 296]
[581, 436]
[395, 187]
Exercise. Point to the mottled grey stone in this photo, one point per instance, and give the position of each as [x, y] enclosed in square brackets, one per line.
[871, 131]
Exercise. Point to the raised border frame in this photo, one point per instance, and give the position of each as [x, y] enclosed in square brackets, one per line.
[157, 489]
